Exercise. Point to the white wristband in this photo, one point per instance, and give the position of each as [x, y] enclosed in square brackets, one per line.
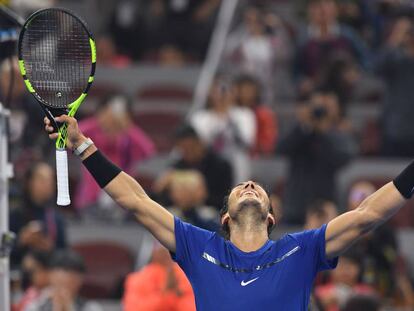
[85, 145]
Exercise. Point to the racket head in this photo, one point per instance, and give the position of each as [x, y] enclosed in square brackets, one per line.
[56, 56]
[57, 59]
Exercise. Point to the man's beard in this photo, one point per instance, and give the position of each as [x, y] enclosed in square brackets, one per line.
[249, 211]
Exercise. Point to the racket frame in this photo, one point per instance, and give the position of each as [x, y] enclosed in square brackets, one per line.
[52, 112]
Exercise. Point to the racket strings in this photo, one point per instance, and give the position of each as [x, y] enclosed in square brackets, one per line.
[57, 56]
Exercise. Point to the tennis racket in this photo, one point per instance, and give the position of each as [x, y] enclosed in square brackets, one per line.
[57, 59]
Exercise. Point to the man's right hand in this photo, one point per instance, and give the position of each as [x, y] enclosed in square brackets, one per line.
[75, 136]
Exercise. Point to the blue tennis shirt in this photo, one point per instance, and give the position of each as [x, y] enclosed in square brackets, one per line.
[278, 276]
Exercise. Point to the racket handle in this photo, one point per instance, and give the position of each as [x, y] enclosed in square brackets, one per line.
[63, 198]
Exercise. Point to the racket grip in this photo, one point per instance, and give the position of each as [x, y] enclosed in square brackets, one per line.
[63, 198]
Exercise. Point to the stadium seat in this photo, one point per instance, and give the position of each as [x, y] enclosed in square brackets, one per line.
[101, 89]
[163, 97]
[145, 180]
[165, 92]
[107, 264]
[370, 138]
[159, 126]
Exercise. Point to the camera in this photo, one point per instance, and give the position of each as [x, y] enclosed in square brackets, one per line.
[319, 112]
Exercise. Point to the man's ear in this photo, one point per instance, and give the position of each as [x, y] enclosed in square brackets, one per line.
[225, 218]
[271, 219]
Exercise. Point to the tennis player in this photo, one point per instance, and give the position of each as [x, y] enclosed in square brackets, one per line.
[247, 271]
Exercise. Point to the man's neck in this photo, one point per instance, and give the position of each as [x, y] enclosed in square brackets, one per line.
[248, 238]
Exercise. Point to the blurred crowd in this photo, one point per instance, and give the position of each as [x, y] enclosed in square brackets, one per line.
[325, 56]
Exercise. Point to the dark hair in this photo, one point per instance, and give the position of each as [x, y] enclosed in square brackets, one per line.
[362, 302]
[225, 229]
[109, 96]
[30, 172]
[41, 257]
[249, 79]
[185, 131]
[69, 261]
[223, 82]
[28, 176]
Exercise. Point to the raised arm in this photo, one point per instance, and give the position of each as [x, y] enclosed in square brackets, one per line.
[122, 188]
[347, 228]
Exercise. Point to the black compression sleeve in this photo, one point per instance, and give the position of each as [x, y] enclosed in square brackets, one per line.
[101, 168]
[405, 181]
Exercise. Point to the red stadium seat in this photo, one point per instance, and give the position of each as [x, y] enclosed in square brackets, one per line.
[160, 126]
[370, 138]
[101, 89]
[145, 180]
[165, 92]
[107, 264]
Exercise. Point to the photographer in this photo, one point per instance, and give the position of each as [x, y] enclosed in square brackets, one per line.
[317, 147]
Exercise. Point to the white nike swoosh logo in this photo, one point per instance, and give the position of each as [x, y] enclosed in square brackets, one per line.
[243, 283]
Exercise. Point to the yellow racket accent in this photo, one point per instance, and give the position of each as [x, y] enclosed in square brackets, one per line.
[63, 135]
[22, 67]
[93, 49]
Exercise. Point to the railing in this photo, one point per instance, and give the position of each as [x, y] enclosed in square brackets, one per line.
[215, 50]
[5, 238]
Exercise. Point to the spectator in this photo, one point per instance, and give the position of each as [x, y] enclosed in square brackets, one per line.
[317, 147]
[35, 277]
[261, 47]
[396, 67]
[359, 192]
[381, 263]
[229, 130]
[112, 128]
[345, 283]
[320, 212]
[108, 54]
[322, 39]
[133, 19]
[170, 56]
[341, 77]
[188, 192]
[37, 222]
[25, 131]
[366, 17]
[170, 31]
[362, 303]
[159, 286]
[188, 24]
[193, 154]
[249, 95]
[66, 279]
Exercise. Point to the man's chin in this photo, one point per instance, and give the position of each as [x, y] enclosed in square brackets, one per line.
[249, 202]
[249, 206]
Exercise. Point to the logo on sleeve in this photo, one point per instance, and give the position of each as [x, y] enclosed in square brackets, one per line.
[243, 283]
